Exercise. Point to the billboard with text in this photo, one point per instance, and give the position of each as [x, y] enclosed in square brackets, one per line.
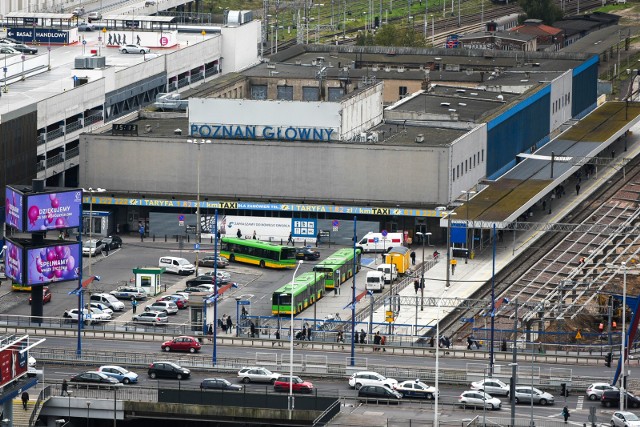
[13, 364]
[13, 261]
[13, 208]
[49, 211]
[53, 264]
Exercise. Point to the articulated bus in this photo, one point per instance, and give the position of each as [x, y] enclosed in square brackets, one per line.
[308, 288]
[256, 252]
[338, 267]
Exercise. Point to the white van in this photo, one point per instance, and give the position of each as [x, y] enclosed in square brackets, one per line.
[390, 272]
[176, 265]
[376, 242]
[375, 281]
[109, 300]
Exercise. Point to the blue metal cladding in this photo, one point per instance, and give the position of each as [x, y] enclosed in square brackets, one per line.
[517, 129]
[584, 87]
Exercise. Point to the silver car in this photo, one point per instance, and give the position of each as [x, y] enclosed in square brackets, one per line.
[595, 390]
[257, 375]
[526, 393]
[153, 317]
[624, 419]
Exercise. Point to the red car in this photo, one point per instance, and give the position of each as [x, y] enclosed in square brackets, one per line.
[180, 301]
[183, 343]
[46, 296]
[299, 386]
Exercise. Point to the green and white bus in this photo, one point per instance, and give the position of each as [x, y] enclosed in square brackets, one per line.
[338, 267]
[307, 288]
[257, 252]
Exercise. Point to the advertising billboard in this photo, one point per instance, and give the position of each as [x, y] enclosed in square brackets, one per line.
[53, 264]
[49, 211]
[13, 208]
[13, 364]
[13, 262]
[42, 35]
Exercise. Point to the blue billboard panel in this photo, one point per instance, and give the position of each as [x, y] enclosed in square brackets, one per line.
[13, 208]
[53, 264]
[458, 233]
[13, 262]
[303, 227]
[41, 35]
[49, 211]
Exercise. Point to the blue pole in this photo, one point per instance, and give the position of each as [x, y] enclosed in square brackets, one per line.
[353, 296]
[80, 289]
[493, 302]
[215, 301]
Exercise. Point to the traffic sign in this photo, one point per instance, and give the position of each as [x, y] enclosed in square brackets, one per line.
[578, 335]
[180, 217]
[84, 42]
[384, 233]
[335, 223]
[196, 246]
[244, 302]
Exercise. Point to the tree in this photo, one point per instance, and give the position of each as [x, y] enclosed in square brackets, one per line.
[546, 10]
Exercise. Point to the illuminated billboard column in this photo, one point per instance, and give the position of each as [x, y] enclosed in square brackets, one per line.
[51, 211]
[13, 262]
[53, 264]
[13, 208]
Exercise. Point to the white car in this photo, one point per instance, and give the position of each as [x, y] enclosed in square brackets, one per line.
[595, 390]
[416, 389]
[8, 50]
[133, 48]
[168, 307]
[222, 276]
[129, 292]
[257, 375]
[184, 295]
[119, 373]
[153, 317]
[479, 398]
[491, 386]
[624, 419]
[92, 247]
[92, 316]
[102, 307]
[359, 379]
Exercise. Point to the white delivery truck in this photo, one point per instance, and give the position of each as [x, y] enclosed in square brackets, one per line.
[375, 281]
[390, 272]
[376, 242]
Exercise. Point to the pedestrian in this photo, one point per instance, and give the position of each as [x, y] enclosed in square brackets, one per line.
[503, 346]
[141, 231]
[229, 324]
[252, 328]
[363, 336]
[25, 400]
[255, 237]
[376, 341]
[436, 254]
[309, 333]
[210, 332]
[416, 285]
[304, 332]
[239, 234]
[277, 338]
[134, 305]
[105, 250]
[290, 240]
[453, 266]
[469, 343]
[383, 341]
[565, 414]
[432, 342]
[65, 388]
[218, 235]
[222, 325]
[577, 189]
[413, 258]
[317, 239]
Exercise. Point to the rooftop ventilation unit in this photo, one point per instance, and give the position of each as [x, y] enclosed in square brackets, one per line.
[420, 138]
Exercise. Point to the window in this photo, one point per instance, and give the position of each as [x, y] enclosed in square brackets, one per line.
[335, 94]
[310, 93]
[402, 91]
[458, 171]
[474, 160]
[482, 151]
[453, 174]
[259, 92]
[285, 93]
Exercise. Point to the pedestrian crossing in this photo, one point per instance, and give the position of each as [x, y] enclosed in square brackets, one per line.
[580, 403]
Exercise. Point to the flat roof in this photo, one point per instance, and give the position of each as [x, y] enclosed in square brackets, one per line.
[597, 41]
[141, 18]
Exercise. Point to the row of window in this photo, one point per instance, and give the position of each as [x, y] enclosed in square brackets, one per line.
[285, 93]
[469, 163]
[561, 102]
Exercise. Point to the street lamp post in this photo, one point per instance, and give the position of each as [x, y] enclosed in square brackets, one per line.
[448, 216]
[290, 399]
[91, 192]
[198, 219]
[623, 335]
[468, 193]
[435, 406]
[424, 237]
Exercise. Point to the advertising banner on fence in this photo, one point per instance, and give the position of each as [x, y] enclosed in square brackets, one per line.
[53, 264]
[13, 364]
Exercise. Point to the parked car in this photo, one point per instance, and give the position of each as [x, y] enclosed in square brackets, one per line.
[477, 398]
[219, 384]
[200, 280]
[168, 370]
[25, 49]
[179, 300]
[182, 343]
[182, 294]
[416, 389]
[94, 16]
[222, 276]
[112, 242]
[108, 300]
[78, 11]
[102, 307]
[257, 375]
[92, 316]
[211, 289]
[8, 50]
[129, 292]
[133, 48]
[297, 385]
[85, 26]
[378, 392]
[168, 307]
[363, 378]
[307, 254]
[208, 261]
[119, 373]
[526, 393]
[93, 378]
[624, 419]
[153, 317]
[46, 295]
[491, 386]
[612, 398]
[595, 390]
[92, 247]
[8, 41]
[191, 290]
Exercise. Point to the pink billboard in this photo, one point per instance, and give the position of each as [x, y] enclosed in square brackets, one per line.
[13, 261]
[49, 211]
[13, 208]
[53, 264]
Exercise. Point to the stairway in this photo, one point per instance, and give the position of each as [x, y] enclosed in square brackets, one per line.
[20, 416]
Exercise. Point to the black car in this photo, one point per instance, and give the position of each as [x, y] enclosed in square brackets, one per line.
[375, 392]
[168, 370]
[612, 398]
[218, 384]
[112, 242]
[25, 49]
[307, 254]
[94, 378]
[204, 280]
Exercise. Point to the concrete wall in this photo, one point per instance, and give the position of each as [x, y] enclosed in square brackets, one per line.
[297, 171]
[197, 54]
[560, 100]
[468, 161]
[362, 111]
[71, 102]
[240, 46]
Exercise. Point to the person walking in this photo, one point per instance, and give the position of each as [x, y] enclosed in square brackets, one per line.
[340, 338]
[105, 250]
[255, 237]
[309, 333]
[565, 414]
[25, 400]
[65, 388]
[134, 305]
[239, 234]
[290, 240]
[317, 239]
[577, 189]
[376, 341]
[252, 328]
[363, 336]
[413, 257]
[229, 324]
[383, 341]
[304, 332]
[416, 285]
[210, 332]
